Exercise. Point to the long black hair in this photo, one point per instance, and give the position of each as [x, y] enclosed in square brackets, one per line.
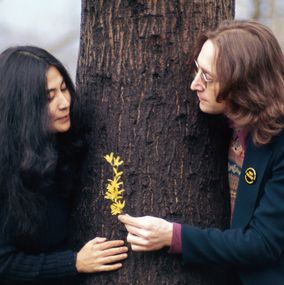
[29, 151]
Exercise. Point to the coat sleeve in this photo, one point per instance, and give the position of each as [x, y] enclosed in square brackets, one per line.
[19, 266]
[260, 242]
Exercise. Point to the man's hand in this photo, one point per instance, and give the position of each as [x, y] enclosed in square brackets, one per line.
[147, 233]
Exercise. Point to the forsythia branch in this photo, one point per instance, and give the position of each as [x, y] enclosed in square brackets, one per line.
[114, 191]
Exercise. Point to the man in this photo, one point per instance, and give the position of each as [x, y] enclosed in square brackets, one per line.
[239, 73]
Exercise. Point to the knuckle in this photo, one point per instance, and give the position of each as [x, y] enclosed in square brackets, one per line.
[146, 242]
[147, 235]
[128, 238]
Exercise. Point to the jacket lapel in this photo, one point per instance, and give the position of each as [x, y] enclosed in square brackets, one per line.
[251, 179]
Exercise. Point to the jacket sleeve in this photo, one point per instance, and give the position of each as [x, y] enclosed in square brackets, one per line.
[19, 266]
[260, 242]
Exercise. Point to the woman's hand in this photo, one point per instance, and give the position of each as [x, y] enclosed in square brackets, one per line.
[147, 233]
[101, 255]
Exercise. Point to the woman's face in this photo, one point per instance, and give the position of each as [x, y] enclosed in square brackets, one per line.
[59, 101]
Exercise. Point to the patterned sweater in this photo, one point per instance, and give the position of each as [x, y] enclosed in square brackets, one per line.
[235, 161]
[236, 156]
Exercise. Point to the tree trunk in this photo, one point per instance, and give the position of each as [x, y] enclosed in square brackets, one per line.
[134, 84]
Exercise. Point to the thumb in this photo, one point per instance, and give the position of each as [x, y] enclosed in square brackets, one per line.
[123, 218]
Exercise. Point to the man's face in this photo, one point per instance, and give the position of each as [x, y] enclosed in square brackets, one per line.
[205, 82]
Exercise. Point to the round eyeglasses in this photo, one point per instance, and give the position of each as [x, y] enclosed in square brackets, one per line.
[203, 76]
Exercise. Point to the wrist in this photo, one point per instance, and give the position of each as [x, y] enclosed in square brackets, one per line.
[77, 263]
[169, 234]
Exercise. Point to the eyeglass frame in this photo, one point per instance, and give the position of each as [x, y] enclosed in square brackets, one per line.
[203, 75]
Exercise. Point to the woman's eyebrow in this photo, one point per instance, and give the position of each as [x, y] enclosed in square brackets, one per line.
[53, 89]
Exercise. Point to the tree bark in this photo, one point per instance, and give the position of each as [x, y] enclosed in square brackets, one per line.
[134, 85]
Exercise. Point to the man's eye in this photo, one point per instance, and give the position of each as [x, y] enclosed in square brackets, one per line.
[208, 77]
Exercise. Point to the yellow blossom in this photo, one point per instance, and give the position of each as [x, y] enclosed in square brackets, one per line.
[117, 207]
[117, 162]
[114, 191]
[118, 174]
[114, 183]
[113, 194]
[109, 158]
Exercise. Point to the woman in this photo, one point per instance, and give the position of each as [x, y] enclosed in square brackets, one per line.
[39, 154]
[239, 73]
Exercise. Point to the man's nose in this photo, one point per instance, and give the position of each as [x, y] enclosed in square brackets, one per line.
[197, 84]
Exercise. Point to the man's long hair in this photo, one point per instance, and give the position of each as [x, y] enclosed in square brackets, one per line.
[29, 151]
[250, 72]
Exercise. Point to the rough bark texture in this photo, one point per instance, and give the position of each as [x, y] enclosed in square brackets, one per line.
[134, 85]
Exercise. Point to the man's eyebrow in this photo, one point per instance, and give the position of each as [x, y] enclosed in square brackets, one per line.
[204, 69]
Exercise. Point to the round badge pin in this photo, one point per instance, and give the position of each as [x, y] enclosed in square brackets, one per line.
[250, 175]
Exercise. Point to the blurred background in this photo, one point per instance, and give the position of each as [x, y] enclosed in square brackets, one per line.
[55, 24]
[51, 24]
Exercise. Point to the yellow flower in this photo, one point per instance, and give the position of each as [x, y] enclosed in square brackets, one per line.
[114, 193]
[113, 196]
[118, 174]
[117, 207]
[115, 183]
[117, 162]
[109, 158]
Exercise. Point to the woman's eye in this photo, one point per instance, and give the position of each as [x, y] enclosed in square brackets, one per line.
[50, 96]
[63, 89]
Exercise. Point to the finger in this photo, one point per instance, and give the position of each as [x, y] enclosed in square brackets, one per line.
[137, 231]
[113, 258]
[96, 240]
[140, 248]
[127, 219]
[110, 267]
[114, 251]
[132, 239]
[99, 240]
[109, 244]
[122, 216]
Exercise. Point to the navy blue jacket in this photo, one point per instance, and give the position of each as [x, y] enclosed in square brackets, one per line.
[254, 245]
